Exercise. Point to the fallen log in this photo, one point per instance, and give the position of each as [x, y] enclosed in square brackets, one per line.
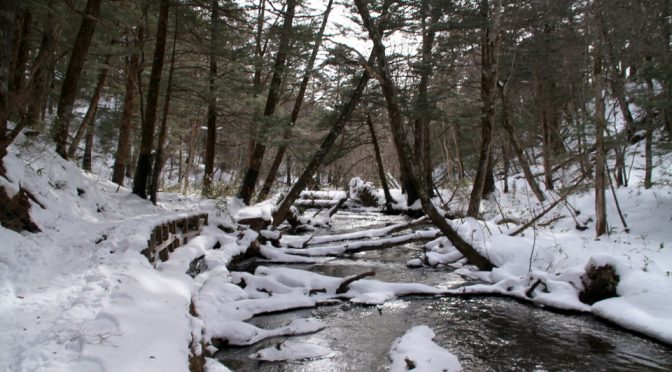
[366, 245]
[346, 283]
[365, 234]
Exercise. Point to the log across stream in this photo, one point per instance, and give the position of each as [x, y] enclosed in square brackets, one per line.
[485, 333]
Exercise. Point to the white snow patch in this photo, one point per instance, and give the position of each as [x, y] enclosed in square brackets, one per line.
[416, 351]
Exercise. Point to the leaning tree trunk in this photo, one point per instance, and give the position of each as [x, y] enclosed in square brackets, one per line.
[405, 153]
[517, 148]
[273, 171]
[90, 116]
[254, 166]
[163, 130]
[211, 136]
[144, 165]
[124, 141]
[389, 200]
[75, 66]
[281, 211]
[489, 50]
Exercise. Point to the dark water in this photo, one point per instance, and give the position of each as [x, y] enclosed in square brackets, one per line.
[486, 334]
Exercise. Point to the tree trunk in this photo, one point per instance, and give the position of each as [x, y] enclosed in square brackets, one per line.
[69, 88]
[8, 10]
[423, 109]
[258, 50]
[18, 69]
[125, 128]
[90, 115]
[600, 181]
[489, 50]
[87, 157]
[546, 143]
[211, 136]
[144, 165]
[163, 129]
[648, 167]
[517, 148]
[389, 200]
[405, 153]
[457, 139]
[193, 136]
[41, 71]
[282, 210]
[506, 165]
[252, 172]
[273, 171]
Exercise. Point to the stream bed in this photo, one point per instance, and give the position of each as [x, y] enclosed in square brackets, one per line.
[485, 333]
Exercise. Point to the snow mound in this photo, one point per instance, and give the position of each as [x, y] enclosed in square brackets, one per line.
[416, 351]
[291, 351]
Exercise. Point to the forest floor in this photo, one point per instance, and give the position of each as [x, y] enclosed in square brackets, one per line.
[79, 296]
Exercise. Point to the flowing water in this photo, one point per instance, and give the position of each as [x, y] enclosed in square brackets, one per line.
[486, 334]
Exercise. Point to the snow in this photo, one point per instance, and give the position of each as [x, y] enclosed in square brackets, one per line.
[416, 351]
[290, 351]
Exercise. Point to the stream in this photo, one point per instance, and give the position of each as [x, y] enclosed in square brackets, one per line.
[485, 333]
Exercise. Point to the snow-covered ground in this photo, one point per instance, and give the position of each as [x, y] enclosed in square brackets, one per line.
[79, 296]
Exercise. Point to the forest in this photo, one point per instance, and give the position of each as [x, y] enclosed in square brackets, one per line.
[213, 185]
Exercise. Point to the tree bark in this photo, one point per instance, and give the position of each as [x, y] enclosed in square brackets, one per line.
[125, 128]
[144, 164]
[403, 147]
[489, 51]
[211, 136]
[90, 116]
[273, 171]
[252, 172]
[75, 66]
[163, 129]
[281, 211]
[389, 200]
